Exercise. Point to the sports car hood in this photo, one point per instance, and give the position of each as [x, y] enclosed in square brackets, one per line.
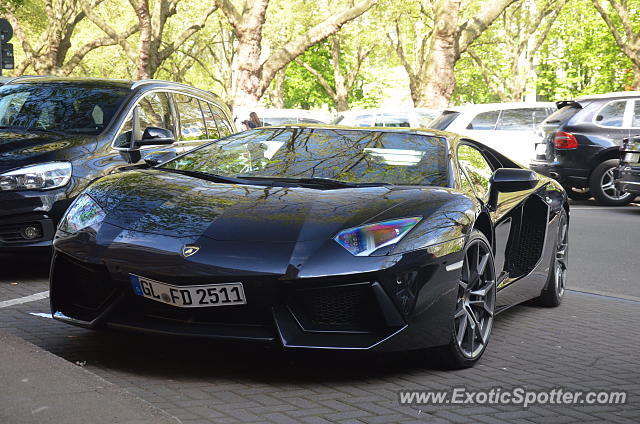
[170, 204]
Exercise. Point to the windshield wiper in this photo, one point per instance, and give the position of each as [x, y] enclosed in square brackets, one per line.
[206, 176]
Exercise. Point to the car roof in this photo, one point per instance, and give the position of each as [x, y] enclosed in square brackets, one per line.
[613, 95]
[286, 113]
[483, 107]
[354, 112]
[71, 80]
[113, 82]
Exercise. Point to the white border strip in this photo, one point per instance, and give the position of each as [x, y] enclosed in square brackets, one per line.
[26, 299]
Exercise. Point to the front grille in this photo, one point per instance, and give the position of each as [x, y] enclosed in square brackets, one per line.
[344, 307]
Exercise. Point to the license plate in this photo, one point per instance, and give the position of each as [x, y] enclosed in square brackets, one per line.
[631, 157]
[541, 149]
[204, 296]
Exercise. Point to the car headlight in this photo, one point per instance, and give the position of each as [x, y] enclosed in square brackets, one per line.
[83, 212]
[366, 239]
[43, 176]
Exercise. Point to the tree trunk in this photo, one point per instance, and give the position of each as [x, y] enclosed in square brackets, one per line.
[440, 82]
[143, 69]
[341, 89]
[253, 78]
[432, 82]
[276, 97]
[247, 61]
[636, 76]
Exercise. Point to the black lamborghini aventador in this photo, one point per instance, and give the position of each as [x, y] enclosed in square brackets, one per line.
[316, 237]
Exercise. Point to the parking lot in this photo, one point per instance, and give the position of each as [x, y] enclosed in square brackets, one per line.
[589, 343]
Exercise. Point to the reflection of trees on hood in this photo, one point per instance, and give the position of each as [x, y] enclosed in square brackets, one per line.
[148, 201]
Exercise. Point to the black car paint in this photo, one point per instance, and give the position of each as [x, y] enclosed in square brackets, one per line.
[628, 173]
[278, 242]
[572, 167]
[91, 156]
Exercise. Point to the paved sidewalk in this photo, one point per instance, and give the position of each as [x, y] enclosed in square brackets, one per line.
[39, 387]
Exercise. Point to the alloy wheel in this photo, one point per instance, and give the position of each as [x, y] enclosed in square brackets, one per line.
[476, 300]
[607, 182]
[560, 263]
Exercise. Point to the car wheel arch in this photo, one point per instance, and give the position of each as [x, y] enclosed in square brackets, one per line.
[484, 225]
[604, 155]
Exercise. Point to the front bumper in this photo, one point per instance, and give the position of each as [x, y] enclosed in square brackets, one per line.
[38, 209]
[400, 303]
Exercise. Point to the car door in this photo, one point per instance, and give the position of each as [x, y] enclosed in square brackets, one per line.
[154, 109]
[477, 169]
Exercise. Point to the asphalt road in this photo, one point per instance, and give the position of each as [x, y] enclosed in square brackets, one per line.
[605, 249]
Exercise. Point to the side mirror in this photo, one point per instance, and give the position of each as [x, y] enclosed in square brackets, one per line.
[154, 136]
[508, 180]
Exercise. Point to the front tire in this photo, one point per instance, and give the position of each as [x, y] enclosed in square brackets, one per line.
[472, 321]
[603, 188]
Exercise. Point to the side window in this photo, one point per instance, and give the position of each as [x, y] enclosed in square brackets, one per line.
[466, 184]
[192, 126]
[612, 115]
[484, 121]
[152, 110]
[210, 121]
[521, 119]
[477, 169]
[365, 121]
[635, 120]
[393, 120]
[224, 127]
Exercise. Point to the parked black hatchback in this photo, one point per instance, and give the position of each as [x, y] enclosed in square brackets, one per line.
[59, 134]
[581, 145]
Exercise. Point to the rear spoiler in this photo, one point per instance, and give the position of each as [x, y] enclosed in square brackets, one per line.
[572, 103]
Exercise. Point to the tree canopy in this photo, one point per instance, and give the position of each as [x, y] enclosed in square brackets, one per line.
[339, 54]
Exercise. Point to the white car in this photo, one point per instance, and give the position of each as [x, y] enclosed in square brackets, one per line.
[290, 116]
[413, 118]
[509, 128]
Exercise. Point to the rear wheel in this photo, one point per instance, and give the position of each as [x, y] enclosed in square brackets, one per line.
[475, 307]
[603, 188]
[557, 280]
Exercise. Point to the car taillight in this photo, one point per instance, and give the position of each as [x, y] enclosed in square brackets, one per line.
[565, 140]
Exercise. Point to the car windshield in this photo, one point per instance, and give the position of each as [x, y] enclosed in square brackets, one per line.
[352, 156]
[59, 107]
